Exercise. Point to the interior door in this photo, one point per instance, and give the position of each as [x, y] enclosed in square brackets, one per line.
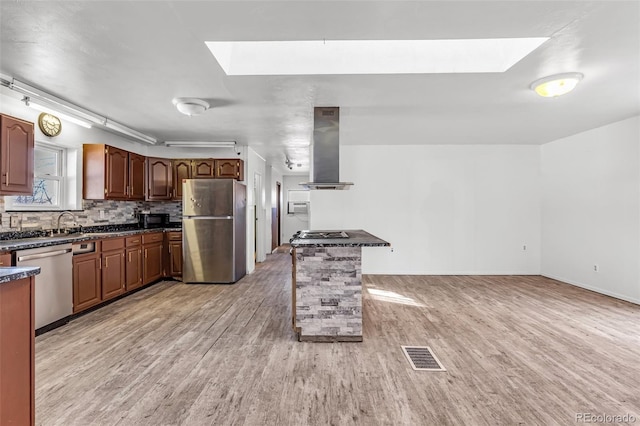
[275, 219]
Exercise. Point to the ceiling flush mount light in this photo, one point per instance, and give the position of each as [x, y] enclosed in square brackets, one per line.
[191, 106]
[201, 144]
[556, 85]
[314, 57]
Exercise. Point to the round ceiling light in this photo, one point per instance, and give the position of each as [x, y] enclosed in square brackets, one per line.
[556, 85]
[191, 106]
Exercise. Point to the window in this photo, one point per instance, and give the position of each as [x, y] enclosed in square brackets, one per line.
[51, 181]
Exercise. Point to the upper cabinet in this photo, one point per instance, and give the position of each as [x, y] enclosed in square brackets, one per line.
[203, 168]
[159, 179]
[136, 176]
[230, 168]
[181, 170]
[111, 173]
[16, 154]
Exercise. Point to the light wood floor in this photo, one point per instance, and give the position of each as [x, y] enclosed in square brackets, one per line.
[518, 350]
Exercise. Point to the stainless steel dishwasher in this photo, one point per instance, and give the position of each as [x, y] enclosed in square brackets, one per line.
[54, 284]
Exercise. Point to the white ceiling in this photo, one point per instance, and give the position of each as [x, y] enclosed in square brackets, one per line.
[128, 60]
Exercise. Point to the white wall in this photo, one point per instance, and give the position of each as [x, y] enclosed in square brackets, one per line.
[291, 223]
[255, 173]
[444, 209]
[591, 209]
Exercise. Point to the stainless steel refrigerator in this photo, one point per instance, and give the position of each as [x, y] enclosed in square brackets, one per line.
[213, 230]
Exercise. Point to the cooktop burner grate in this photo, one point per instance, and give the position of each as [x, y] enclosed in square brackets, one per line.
[323, 235]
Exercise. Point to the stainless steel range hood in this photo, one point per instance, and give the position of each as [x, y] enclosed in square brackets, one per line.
[325, 153]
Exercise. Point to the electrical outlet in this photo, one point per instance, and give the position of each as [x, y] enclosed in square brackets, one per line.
[524, 247]
[596, 268]
[101, 214]
[14, 221]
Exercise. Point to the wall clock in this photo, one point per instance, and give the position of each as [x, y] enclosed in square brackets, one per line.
[49, 124]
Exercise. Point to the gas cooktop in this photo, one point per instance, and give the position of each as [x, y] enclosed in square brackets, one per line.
[309, 235]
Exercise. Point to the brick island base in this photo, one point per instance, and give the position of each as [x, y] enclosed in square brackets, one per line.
[327, 294]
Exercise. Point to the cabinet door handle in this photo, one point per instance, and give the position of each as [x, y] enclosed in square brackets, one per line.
[129, 257]
[145, 253]
[99, 263]
[106, 262]
[169, 248]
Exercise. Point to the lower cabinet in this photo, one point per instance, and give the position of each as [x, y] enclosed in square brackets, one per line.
[87, 280]
[5, 259]
[119, 265]
[113, 268]
[133, 259]
[152, 249]
[173, 265]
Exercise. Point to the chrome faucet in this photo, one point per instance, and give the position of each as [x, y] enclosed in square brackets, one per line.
[62, 214]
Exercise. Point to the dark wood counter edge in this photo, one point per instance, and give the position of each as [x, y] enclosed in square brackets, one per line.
[13, 273]
[27, 243]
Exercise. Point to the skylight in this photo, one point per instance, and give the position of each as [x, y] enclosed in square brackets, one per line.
[371, 56]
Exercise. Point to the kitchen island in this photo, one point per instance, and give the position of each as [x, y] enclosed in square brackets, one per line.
[17, 340]
[327, 284]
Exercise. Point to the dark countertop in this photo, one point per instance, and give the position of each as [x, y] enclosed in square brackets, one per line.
[357, 238]
[16, 273]
[36, 242]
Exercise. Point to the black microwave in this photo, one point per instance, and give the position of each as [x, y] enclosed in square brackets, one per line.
[153, 220]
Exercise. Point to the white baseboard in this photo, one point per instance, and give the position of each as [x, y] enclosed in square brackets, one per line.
[594, 289]
[456, 273]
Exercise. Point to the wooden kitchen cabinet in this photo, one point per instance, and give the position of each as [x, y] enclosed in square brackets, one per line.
[17, 363]
[229, 169]
[203, 168]
[181, 170]
[133, 258]
[152, 249]
[118, 265]
[16, 156]
[136, 176]
[113, 268]
[159, 179]
[5, 259]
[117, 173]
[174, 254]
[111, 173]
[87, 278]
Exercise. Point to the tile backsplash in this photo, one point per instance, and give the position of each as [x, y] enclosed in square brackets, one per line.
[94, 213]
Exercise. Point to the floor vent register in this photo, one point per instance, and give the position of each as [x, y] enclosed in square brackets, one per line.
[422, 358]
